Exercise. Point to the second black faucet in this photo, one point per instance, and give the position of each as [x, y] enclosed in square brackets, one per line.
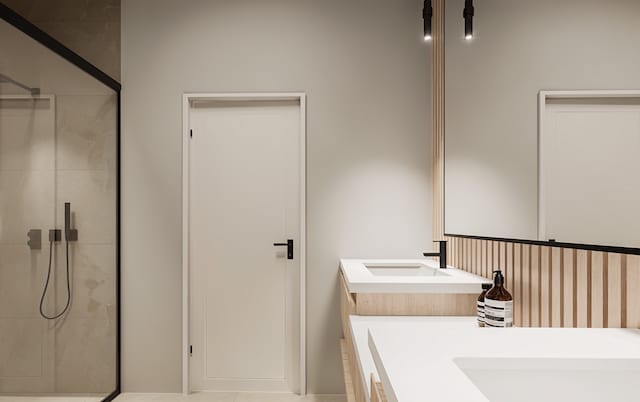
[441, 254]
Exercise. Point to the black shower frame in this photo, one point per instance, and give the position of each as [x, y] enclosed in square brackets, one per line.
[19, 22]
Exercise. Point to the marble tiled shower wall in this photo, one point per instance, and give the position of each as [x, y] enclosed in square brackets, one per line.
[60, 149]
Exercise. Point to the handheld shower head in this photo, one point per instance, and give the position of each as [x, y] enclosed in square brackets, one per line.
[69, 234]
[67, 220]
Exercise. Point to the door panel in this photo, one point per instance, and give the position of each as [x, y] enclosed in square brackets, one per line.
[244, 196]
[590, 153]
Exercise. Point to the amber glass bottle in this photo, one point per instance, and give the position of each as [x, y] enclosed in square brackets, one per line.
[498, 304]
[480, 304]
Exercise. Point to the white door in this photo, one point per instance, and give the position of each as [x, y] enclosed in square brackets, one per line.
[244, 196]
[590, 160]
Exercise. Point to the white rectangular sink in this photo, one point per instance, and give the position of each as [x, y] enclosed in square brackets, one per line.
[539, 379]
[454, 360]
[408, 276]
[403, 269]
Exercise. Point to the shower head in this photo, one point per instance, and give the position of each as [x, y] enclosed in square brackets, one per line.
[9, 80]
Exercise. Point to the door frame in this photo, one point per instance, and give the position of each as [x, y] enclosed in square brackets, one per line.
[187, 99]
[543, 97]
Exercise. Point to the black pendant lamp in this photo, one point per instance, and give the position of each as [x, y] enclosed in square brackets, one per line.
[468, 19]
[427, 14]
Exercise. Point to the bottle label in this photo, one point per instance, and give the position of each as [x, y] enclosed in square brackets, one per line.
[480, 308]
[498, 313]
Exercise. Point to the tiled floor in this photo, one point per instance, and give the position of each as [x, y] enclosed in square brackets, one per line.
[227, 397]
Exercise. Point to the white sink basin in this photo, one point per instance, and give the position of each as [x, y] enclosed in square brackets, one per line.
[400, 269]
[533, 380]
[407, 276]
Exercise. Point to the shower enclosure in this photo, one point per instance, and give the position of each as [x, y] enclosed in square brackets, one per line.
[59, 221]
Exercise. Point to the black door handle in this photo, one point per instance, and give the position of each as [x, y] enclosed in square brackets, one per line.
[289, 245]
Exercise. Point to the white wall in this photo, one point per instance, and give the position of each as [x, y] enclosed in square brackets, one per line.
[492, 82]
[366, 73]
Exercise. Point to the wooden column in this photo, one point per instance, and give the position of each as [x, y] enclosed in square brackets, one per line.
[437, 105]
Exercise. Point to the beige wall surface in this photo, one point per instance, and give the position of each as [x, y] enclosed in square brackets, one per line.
[492, 83]
[366, 72]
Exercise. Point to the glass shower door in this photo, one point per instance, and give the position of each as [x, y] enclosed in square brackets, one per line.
[58, 226]
[27, 208]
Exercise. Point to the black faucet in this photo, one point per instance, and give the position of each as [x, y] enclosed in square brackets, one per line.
[442, 253]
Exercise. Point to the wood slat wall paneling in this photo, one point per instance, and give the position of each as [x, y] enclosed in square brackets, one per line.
[597, 286]
[536, 312]
[614, 290]
[517, 285]
[545, 288]
[437, 105]
[633, 291]
[583, 286]
[623, 291]
[469, 255]
[526, 286]
[478, 258]
[483, 258]
[568, 288]
[558, 287]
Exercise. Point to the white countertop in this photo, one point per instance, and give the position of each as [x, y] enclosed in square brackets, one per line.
[360, 326]
[420, 359]
[359, 279]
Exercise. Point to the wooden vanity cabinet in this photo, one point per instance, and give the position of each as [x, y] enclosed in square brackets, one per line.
[389, 304]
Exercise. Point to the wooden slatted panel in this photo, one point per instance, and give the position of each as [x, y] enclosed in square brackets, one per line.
[545, 289]
[472, 256]
[633, 291]
[568, 305]
[437, 113]
[623, 292]
[483, 258]
[559, 287]
[507, 269]
[597, 304]
[526, 285]
[469, 262]
[536, 315]
[517, 285]
[453, 246]
[583, 291]
[478, 257]
[556, 287]
[490, 259]
[614, 290]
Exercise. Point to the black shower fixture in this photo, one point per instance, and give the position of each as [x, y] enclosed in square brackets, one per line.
[468, 19]
[427, 14]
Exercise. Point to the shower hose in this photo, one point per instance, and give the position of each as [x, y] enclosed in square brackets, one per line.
[46, 285]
